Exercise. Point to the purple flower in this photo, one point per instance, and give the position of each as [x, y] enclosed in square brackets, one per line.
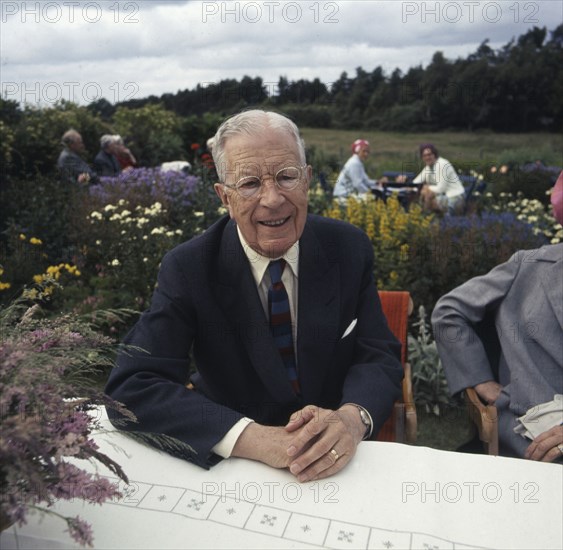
[43, 364]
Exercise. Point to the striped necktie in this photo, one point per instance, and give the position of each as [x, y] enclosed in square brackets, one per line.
[280, 321]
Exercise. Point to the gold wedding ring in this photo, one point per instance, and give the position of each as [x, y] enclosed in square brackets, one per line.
[337, 456]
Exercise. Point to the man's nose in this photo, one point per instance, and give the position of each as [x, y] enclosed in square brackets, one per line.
[270, 193]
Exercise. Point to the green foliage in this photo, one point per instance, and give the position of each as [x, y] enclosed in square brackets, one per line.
[430, 388]
[37, 136]
[518, 156]
[7, 138]
[38, 206]
[312, 116]
[429, 256]
[152, 131]
[198, 129]
[533, 184]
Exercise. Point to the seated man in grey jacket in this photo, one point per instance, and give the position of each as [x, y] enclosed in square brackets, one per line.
[72, 167]
[525, 295]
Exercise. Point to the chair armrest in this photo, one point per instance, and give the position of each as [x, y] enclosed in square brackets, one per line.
[485, 418]
[410, 407]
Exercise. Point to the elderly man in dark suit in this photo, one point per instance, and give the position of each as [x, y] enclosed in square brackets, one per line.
[525, 297]
[72, 167]
[295, 364]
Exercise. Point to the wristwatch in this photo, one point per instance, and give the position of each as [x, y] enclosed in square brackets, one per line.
[366, 421]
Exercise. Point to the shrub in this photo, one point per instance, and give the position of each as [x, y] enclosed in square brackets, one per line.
[430, 256]
[430, 387]
[41, 207]
[393, 232]
[531, 184]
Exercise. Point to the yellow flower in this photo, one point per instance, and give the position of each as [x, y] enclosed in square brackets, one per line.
[22, 237]
[35, 240]
[30, 294]
[404, 252]
[4, 286]
[38, 279]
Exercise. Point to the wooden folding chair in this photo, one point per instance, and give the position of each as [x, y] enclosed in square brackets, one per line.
[402, 424]
[485, 416]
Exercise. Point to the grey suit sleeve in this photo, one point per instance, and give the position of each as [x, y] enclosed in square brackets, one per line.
[463, 356]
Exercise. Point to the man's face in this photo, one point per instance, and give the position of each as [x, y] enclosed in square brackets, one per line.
[76, 145]
[272, 221]
[428, 157]
[113, 148]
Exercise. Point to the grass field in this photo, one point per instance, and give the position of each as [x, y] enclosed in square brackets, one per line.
[391, 150]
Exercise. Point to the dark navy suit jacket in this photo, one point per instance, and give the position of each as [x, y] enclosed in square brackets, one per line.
[106, 164]
[206, 311]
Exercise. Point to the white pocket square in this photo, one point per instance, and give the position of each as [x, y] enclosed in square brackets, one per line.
[350, 328]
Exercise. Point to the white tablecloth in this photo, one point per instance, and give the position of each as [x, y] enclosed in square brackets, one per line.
[390, 496]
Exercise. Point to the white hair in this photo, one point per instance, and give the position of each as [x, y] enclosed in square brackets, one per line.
[248, 123]
[106, 140]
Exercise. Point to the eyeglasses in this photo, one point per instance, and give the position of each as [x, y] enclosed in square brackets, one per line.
[285, 179]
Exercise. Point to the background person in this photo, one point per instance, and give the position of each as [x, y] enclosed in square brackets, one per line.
[106, 163]
[125, 157]
[295, 361]
[353, 179]
[442, 190]
[72, 167]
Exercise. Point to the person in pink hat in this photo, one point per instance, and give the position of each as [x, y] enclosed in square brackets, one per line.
[353, 179]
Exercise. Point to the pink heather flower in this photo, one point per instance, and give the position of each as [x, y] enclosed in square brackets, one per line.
[80, 531]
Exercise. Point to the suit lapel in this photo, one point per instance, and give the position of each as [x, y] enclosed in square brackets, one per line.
[318, 322]
[238, 296]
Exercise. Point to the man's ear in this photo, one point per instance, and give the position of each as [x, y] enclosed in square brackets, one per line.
[223, 196]
[308, 176]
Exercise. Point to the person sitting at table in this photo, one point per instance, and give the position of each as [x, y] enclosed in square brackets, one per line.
[526, 295]
[442, 190]
[353, 180]
[280, 313]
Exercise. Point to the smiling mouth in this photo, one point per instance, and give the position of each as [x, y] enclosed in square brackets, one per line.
[274, 223]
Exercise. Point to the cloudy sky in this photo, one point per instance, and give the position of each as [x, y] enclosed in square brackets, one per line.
[82, 51]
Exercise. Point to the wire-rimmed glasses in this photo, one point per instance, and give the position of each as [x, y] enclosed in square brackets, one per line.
[286, 179]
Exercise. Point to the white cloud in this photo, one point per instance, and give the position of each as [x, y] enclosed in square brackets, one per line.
[144, 48]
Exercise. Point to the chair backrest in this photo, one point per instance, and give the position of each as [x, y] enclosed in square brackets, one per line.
[397, 306]
[401, 426]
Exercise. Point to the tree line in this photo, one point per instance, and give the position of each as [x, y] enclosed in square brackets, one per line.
[516, 88]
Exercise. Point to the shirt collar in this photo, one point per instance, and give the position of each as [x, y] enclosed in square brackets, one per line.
[259, 263]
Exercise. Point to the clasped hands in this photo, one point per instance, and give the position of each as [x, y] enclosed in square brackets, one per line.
[315, 443]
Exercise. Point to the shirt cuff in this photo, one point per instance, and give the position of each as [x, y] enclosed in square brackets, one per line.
[225, 447]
